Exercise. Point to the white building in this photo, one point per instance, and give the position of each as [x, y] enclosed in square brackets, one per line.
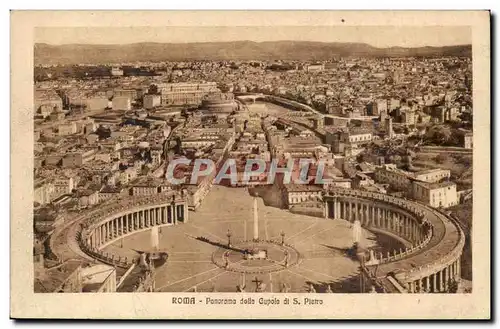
[65, 129]
[359, 138]
[151, 101]
[315, 67]
[121, 103]
[297, 193]
[116, 71]
[43, 192]
[436, 194]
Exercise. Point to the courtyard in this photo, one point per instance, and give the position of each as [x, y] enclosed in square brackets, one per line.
[301, 250]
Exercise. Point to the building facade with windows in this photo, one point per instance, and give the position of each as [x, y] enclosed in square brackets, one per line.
[186, 93]
[437, 195]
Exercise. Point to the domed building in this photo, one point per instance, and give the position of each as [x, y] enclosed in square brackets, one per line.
[220, 104]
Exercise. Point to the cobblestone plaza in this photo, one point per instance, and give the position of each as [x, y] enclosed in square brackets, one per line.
[317, 248]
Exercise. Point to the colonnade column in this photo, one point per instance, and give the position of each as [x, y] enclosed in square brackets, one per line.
[441, 281]
[99, 230]
[410, 232]
[445, 278]
[174, 214]
[411, 287]
[186, 211]
[374, 217]
[459, 269]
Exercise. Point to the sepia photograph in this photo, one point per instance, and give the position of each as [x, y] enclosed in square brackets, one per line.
[277, 164]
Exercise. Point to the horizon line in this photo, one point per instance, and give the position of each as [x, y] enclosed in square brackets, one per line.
[245, 40]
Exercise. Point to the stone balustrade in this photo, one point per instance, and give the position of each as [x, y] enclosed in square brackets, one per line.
[402, 253]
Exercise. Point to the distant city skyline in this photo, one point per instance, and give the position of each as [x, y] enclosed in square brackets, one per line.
[377, 36]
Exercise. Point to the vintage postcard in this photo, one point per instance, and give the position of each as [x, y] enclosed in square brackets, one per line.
[249, 165]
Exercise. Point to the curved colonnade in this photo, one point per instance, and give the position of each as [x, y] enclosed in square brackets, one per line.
[434, 242]
[128, 217]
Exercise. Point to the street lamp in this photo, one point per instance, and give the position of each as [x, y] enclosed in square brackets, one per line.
[282, 237]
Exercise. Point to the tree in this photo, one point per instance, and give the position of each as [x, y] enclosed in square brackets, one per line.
[438, 135]
[452, 286]
[441, 158]
[153, 89]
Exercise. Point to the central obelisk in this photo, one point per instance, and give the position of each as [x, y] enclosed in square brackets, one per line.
[255, 219]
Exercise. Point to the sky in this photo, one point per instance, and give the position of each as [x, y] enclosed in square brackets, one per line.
[378, 36]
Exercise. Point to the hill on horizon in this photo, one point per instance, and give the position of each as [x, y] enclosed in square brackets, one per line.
[234, 50]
